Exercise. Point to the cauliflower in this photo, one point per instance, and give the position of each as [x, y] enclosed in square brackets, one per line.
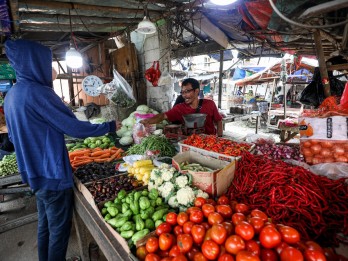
[158, 181]
[166, 189]
[202, 194]
[167, 175]
[164, 166]
[173, 202]
[155, 173]
[185, 196]
[151, 185]
[181, 181]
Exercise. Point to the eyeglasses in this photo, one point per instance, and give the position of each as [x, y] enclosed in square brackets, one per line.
[187, 91]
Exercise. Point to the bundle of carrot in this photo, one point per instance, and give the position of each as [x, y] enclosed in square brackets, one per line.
[85, 156]
[315, 205]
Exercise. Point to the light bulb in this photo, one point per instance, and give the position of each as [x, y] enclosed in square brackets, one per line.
[223, 2]
[73, 58]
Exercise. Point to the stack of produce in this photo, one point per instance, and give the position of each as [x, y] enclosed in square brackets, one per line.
[135, 214]
[174, 188]
[278, 152]
[108, 188]
[218, 145]
[8, 165]
[154, 143]
[85, 156]
[314, 205]
[141, 169]
[228, 231]
[95, 171]
[103, 142]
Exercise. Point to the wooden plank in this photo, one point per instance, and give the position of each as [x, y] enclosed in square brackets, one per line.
[107, 242]
[337, 67]
[202, 22]
[11, 179]
[324, 8]
[345, 37]
[14, 15]
[18, 222]
[322, 64]
[82, 236]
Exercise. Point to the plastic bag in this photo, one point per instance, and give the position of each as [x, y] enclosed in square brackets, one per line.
[259, 139]
[140, 130]
[335, 170]
[344, 98]
[118, 91]
[153, 73]
[165, 79]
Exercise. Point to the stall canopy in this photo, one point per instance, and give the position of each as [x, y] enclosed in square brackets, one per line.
[193, 27]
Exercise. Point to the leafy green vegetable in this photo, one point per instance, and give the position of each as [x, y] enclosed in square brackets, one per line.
[153, 142]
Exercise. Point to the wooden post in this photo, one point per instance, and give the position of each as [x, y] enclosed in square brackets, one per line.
[71, 86]
[257, 85]
[220, 77]
[322, 64]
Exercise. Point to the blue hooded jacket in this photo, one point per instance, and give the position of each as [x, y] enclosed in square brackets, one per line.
[37, 119]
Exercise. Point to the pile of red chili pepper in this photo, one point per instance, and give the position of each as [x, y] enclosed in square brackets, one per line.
[315, 205]
[218, 145]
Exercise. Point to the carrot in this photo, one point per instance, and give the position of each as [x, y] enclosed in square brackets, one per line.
[77, 158]
[81, 162]
[97, 153]
[97, 149]
[77, 153]
[100, 160]
[104, 156]
[115, 155]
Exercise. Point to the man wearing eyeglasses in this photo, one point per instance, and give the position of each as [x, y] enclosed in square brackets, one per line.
[192, 104]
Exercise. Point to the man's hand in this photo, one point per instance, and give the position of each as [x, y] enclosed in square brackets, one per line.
[118, 125]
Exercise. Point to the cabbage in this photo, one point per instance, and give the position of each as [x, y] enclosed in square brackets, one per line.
[140, 112]
[129, 122]
[126, 140]
[143, 108]
[154, 112]
[127, 133]
[98, 120]
[121, 131]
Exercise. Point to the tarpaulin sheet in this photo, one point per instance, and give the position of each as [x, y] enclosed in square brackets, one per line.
[5, 22]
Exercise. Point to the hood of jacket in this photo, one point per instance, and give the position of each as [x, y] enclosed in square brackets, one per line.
[31, 61]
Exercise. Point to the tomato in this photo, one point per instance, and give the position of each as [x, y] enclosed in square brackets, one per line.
[234, 244]
[205, 225]
[215, 218]
[174, 251]
[171, 218]
[281, 247]
[141, 253]
[233, 205]
[222, 250]
[167, 258]
[198, 233]
[313, 246]
[152, 244]
[210, 249]
[191, 209]
[246, 256]
[291, 254]
[163, 228]
[226, 257]
[185, 243]
[207, 235]
[178, 230]
[260, 214]
[268, 255]
[253, 247]
[314, 255]
[166, 241]
[223, 200]
[187, 227]
[269, 237]
[162, 253]
[182, 218]
[237, 217]
[207, 209]
[152, 257]
[289, 234]
[244, 230]
[179, 258]
[192, 253]
[199, 257]
[257, 224]
[196, 216]
[199, 202]
[211, 202]
[224, 210]
[242, 208]
[228, 226]
[270, 224]
[218, 233]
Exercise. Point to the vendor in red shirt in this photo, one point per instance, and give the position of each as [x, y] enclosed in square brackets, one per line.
[190, 92]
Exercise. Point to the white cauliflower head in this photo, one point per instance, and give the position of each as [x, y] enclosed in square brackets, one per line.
[164, 166]
[166, 189]
[181, 181]
[155, 173]
[167, 175]
[158, 181]
[151, 185]
[185, 196]
[173, 202]
[202, 194]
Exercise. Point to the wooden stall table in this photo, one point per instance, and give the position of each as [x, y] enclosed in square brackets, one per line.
[288, 133]
[86, 217]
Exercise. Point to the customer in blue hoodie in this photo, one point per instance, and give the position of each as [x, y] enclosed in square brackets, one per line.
[37, 120]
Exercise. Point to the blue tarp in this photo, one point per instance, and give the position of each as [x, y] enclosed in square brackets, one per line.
[241, 73]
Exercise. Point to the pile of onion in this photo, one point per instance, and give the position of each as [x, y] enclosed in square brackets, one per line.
[279, 152]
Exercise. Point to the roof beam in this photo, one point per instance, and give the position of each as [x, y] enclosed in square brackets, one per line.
[109, 27]
[14, 14]
[324, 8]
[198, 49]
[202, 22]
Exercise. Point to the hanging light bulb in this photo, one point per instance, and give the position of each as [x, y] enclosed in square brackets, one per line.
[223, 2]
[73, 58]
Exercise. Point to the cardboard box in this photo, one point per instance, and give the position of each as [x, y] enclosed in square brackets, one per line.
[214, 183]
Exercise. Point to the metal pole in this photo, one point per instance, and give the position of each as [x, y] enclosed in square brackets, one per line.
[220, 77]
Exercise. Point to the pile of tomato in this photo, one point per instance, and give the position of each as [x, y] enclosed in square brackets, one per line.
[228, 231]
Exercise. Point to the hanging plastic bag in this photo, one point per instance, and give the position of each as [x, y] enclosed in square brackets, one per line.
[118, 91]
[165, 79]
[153, 73]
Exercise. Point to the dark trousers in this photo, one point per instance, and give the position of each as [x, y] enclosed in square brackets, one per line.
[55, 210]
